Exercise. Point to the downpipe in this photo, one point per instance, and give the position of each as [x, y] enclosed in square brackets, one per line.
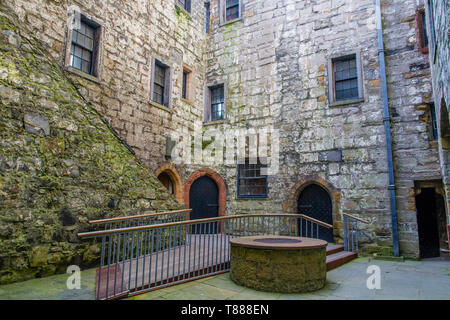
[387, 128]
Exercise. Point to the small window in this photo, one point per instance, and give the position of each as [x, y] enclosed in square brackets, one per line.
[84, 47]
[217, 103]
[252, 180]
[161, 83]
[434, 128]
[431, 30]
[185, 4]
[421, 30]
[230, 10]
[345, 78]
[184, 89]
[207, 16]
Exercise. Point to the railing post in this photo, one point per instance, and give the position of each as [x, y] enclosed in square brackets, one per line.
[345, 233]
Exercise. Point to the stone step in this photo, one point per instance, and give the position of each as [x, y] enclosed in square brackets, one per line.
[339, 258]
[334, 248]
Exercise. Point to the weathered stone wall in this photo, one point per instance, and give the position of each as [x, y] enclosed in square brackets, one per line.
[274, 65]
[440, 69]
[274, 62]
[134, 33]
[60, 164]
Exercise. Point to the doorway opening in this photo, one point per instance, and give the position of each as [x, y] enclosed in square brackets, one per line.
[431, 222]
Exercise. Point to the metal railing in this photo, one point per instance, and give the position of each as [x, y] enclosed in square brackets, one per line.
[351, 232]
[144, 219]
[139, 259]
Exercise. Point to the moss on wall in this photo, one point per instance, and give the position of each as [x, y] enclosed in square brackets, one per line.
[60, 164]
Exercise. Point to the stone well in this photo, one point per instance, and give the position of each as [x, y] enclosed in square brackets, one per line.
[278, 263]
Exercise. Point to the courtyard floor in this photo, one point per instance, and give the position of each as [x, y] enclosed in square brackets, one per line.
[423, 280]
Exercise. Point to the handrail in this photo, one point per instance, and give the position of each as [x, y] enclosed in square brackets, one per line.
[138, 228]
[356, 218]
[138, 216]
[323, 224]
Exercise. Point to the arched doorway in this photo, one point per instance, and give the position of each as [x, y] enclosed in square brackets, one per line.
[170, 178]
[205, 194]
[204, 202]
[315, 202]
[167, 182]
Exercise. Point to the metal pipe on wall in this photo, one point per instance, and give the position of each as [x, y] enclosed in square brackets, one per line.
[387, 128]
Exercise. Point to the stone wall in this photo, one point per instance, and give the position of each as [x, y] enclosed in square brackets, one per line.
[440, 69]
[61, 165]
[274, 62]
[134, 33]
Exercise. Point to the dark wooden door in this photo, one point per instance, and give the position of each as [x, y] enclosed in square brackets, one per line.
[315, 202]
[427, 224]
[204, 202]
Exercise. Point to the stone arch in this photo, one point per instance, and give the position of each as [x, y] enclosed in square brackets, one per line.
[170, 170]
[290, 205]
[217, 179]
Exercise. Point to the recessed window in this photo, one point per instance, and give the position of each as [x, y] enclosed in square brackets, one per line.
[433, 120]
[345, 78]
[184, 89]
[161, 83]
[185, 4]
[252, 179]
[84, 47]
[230, 10]
[431, 31]
[207, 16]
[217, 94]
[421, 30]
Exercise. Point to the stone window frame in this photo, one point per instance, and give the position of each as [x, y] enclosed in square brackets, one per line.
[420, 30]
[167, 102]
[207, 109]
[190, 90]
[332, 82]
[95, 76]
[222, 13]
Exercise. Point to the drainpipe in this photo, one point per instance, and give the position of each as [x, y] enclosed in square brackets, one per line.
[387, 127]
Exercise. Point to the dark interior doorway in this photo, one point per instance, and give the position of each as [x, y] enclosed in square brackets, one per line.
[315, 202]
[167, 182]
[430, 210]
[204, 202]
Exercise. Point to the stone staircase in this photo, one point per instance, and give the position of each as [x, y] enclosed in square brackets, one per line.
[336, 256]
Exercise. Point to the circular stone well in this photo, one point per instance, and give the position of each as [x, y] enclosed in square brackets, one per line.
[278, 263]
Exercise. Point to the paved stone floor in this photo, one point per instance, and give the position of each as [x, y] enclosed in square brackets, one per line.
[427, 279]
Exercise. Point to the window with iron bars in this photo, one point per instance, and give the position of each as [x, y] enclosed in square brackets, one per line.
[252, 180]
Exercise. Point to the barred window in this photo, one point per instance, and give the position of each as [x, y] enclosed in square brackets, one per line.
[252, 180]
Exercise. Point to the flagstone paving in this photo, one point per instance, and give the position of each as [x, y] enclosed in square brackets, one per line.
[427, 279]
